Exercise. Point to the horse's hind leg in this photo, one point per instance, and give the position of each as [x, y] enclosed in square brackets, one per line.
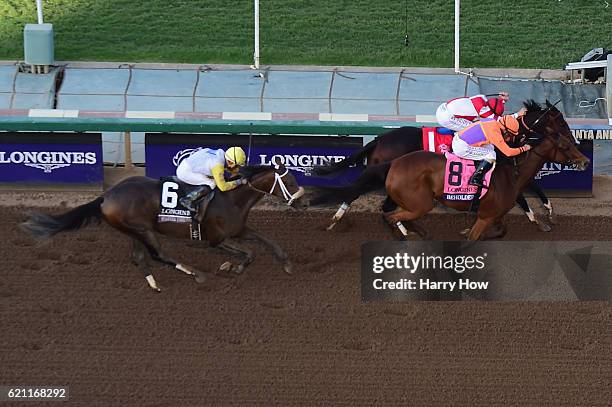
[396, 217]
[140, 259]
[279, 253]
[151, 243]
[232, 247]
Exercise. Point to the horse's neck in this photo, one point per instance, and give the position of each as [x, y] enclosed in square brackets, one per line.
[247, 197]
[529, 167]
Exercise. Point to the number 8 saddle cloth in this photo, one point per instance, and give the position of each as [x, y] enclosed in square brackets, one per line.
[456, 176]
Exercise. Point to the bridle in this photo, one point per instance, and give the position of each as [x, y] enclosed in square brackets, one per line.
[278, 181]
[539, 136]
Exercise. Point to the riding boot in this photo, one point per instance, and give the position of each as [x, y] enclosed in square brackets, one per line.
[189, 199]
[202, 205]
[477, 178]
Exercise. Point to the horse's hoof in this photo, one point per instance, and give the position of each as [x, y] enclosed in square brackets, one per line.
[330, 227]
[239, 269]
[200, 277]
[288, 268]
[544, 227]
[551, 220]
[465, 232]
[225, 267]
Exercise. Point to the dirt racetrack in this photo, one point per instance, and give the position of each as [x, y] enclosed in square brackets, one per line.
[76, 312]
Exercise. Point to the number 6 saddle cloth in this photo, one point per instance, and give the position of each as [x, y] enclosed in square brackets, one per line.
[171, 191]
[456, 176]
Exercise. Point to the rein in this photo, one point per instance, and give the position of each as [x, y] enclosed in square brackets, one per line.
[540, 136]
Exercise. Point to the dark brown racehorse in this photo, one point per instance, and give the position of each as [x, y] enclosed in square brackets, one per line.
[132, 207]
[396, 143]
[414, 180]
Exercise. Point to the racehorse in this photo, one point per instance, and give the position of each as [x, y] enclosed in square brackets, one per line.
[132, 207]
[414, 180]
[396, 143]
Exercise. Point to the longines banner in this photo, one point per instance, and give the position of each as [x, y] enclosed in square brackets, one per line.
[560, 177]
[486, 271]
[51, 158]
[165, 151]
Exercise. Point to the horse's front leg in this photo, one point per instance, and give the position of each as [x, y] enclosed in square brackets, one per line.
[479, 228]
[545, 201]
[522, 202]
[339, 214]
[234, 248]
[548, 205]
[279, 253]
[496, 231]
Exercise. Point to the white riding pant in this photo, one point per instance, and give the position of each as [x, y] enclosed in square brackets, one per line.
[447, 119]
[464, 150]
[185, 174]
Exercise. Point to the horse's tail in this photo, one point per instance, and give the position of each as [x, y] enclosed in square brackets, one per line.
[372, 179]
[324, 170]
[41, 224]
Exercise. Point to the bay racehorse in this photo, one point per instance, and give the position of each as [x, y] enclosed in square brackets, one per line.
[396, 143]
[132, 207]
[414, 180]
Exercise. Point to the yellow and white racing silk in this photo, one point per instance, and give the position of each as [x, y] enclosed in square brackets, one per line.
[206, 166]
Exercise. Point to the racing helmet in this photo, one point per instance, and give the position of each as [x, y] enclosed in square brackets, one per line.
[496, 105]
[510, 123]
[235, 155]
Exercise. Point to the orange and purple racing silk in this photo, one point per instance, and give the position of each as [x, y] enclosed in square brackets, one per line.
[488, 131]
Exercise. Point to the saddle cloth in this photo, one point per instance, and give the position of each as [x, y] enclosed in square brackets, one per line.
[437, 139]
[457, 173]
[172, 190]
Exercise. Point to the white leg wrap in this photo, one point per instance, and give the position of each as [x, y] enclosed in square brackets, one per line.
[184, 269]
[341, 211]
[549, 207]
[152, 282]
[402, 228]
[531, 216]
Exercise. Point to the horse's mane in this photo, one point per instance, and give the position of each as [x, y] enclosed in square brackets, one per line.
[532, 106]
[249, 171]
